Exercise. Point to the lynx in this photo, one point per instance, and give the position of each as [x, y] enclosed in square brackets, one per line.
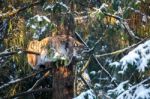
[51, 49]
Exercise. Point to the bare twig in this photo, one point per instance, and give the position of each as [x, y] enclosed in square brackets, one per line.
[22, 79]
[92, 49]
[16, 81]
[29, 92]
[129, 31]
[39, 81]
[122, 21]
[97, 61]
[108, 74]
[125, 25]
[136, 11]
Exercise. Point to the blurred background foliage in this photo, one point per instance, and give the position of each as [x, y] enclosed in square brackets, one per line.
[17, 31]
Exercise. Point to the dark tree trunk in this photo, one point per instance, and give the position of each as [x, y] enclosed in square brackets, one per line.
[63, 81]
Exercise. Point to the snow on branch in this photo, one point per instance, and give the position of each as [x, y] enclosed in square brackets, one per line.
[138, 57]
[119, 89]
[86, 95]
[39, 25]
[138, 91]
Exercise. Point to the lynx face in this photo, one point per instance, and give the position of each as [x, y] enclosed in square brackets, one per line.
[52, 49]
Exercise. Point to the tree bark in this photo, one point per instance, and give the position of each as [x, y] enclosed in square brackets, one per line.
[63, 83]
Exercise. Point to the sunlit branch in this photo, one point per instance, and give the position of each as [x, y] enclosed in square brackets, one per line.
[122, 50]
[85, 66]
[39, 81]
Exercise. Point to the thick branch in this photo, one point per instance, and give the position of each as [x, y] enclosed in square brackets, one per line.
[16, 52]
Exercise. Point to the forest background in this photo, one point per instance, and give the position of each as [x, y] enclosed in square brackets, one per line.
[116, 33]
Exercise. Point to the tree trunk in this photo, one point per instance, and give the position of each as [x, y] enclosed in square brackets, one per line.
[63, 83]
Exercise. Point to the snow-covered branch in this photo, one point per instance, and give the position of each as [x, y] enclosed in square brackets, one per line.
[132, 88]
[139, 57]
